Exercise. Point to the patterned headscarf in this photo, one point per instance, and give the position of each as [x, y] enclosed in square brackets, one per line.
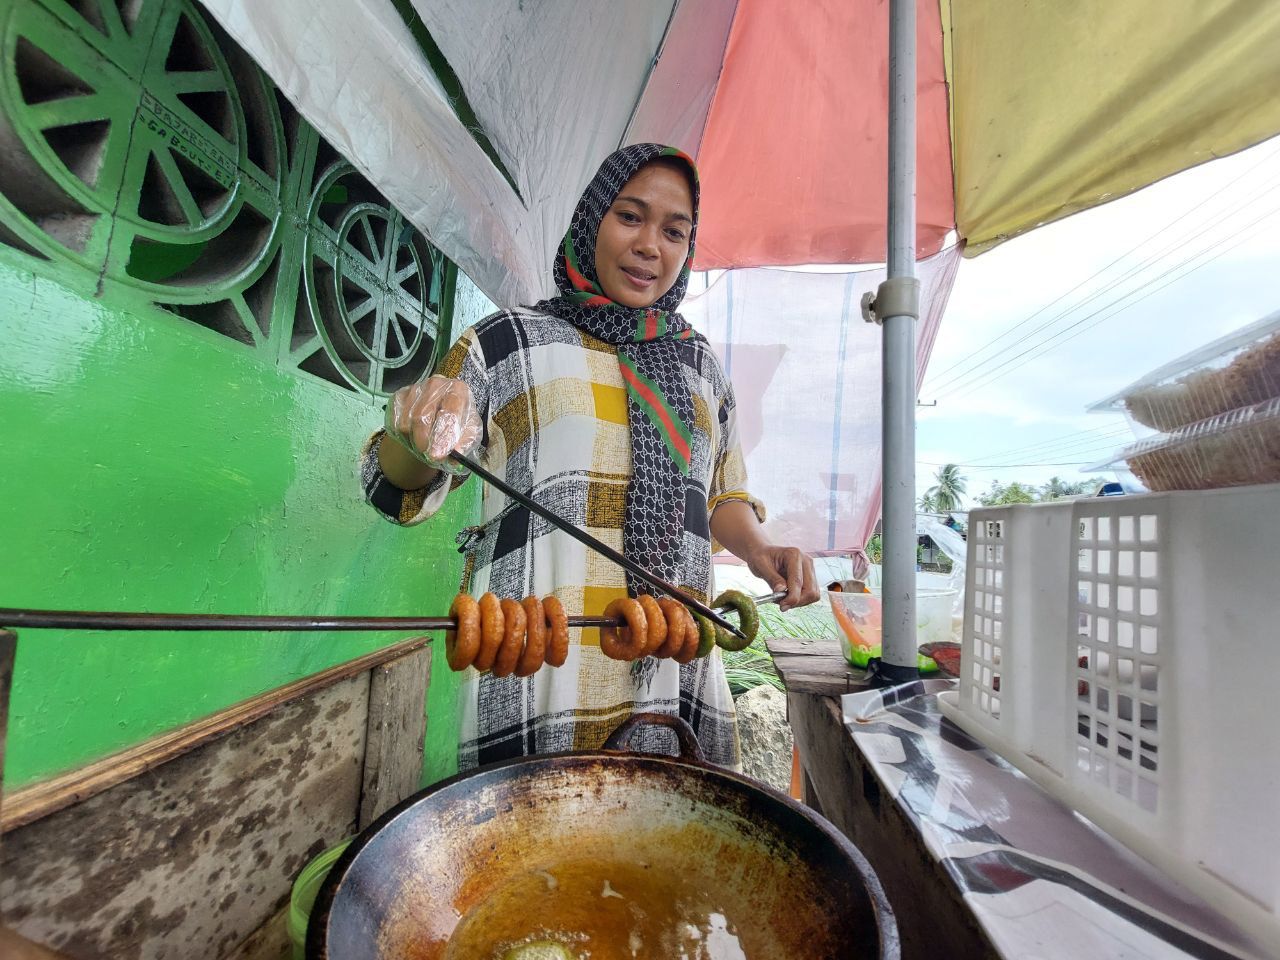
[659, 403]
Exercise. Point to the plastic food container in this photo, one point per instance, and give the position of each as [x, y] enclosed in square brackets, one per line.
[1233, 449]
[859, 617]
[1237, 371]
[303, 896]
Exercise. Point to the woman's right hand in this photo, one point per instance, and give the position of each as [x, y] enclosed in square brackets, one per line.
[431, 419]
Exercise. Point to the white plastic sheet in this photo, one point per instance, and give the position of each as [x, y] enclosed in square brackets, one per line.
[954, 546]
[554, 84]
[806, 372]
[677, 99]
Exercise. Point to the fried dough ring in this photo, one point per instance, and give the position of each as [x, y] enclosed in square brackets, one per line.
[513, 627]
[706, 635]
[462, 644]
[629, 641]
[656, 635]
[673, 615]
[558, 641]
[691, 635]
[491, 623]
[535, 642]
[748, 620]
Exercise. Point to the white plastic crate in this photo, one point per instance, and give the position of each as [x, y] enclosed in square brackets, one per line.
[1124, 652]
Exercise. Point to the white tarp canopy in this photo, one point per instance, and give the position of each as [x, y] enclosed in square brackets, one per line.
[554, 85]
[1025, 112]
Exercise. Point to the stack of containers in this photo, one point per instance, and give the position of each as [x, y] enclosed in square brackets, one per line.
[1209, 419]
[1123, 652]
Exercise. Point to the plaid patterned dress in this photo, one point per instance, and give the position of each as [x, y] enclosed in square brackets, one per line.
[554, 406]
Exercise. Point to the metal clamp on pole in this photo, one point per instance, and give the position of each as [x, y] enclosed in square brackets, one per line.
[896, 297]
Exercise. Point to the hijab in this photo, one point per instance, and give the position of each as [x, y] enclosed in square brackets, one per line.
[650, 345]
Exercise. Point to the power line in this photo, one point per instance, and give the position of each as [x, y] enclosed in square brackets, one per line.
[1093, 447]
[950, 384]
[1015, 451]
[1271, 156]
[968, 387]
[1053, 449]
[1005, 371]
[1078, 447]
[1093, 451]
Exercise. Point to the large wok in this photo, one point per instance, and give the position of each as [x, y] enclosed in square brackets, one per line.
[792, 884]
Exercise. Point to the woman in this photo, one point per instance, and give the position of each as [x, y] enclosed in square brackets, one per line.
[607, 407]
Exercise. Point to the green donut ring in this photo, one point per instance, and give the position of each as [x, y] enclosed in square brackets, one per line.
[706, 634]
[748, 620]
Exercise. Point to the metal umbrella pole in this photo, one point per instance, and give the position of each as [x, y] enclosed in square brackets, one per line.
[896, 306]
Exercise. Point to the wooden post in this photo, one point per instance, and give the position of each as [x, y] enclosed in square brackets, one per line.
[396, 733]
[8, 651]
[11, 945]
[797, 786]
[15, 947]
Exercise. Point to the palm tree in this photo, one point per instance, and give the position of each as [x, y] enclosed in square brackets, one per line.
[948, 490]
[926, 503]
[1056, 489]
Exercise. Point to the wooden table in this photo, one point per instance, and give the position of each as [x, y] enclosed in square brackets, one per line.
[839, 783]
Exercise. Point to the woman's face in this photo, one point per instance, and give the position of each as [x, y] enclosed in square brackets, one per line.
[643, 239]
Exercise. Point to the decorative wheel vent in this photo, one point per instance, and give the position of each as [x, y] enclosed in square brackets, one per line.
[372, 286]
[142, 147]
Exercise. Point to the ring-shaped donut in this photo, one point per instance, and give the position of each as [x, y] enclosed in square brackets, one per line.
[748, 620]
[462, 644]
[513, 630]
[695, 633]
[673, 615]
[624, 642]
[691, 641]
[535, 641]
[706, 635]
[490, 631]
[558, 641]
[657, 623]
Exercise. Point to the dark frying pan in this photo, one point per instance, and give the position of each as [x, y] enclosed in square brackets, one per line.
[783, 880]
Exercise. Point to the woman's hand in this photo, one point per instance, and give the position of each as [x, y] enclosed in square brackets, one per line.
[430, 420]
[735, 525]
[786, 568]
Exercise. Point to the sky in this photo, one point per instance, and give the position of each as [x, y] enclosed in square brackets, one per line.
[1051, 322]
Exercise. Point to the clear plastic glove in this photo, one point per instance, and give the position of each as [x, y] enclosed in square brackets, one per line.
[433, 418]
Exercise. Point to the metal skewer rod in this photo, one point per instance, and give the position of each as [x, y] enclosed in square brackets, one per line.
[601, 548]
[103, 620]
[758, 601]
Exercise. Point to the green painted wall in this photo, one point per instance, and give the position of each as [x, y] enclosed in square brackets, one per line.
[201, 308]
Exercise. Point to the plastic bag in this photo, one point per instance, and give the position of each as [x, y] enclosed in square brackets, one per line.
[434, 418]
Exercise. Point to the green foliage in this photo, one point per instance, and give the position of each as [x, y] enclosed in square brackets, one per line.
[947, 492]
[875, 549]
[943, 564]
[1055, 489]
[927, 503]
[1001, 493]
[753, 666]
[750, 668]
